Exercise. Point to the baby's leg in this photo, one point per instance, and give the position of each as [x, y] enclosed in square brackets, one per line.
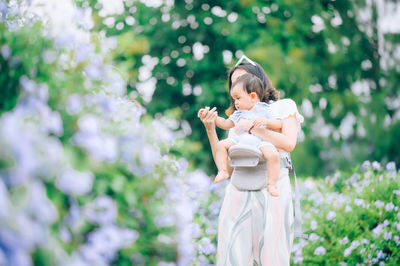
[221, 159]
[272, 156]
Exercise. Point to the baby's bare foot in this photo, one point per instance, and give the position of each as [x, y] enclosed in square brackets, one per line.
[221, 176]
[272, 189]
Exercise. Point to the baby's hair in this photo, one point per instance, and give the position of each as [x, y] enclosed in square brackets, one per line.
[270, 94]
[252, 84]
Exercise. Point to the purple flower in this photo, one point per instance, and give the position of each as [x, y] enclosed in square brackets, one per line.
[378, 230]
[387, 236]
[344, 241]
[198, 181]
[376, 165]
[313, 237]
[5, 49]
[391, 167]
[76, 183]
[83, 51]
[206, 246]
[389, 206]
[331, 215]
[347, 251]
[3, 10]
[379, 204]
[49, 56]
[4, 201]
[102, 211]
[365, 165]
[74, 104]
[320, 251]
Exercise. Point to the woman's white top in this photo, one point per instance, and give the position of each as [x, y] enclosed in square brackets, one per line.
[283, 109]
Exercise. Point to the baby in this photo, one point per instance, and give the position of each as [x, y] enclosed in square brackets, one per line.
[248, 96]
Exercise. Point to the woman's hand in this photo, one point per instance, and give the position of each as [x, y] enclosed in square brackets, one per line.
[208, 117]
[259, 122]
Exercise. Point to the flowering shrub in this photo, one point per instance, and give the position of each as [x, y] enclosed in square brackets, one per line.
[84, 180]
[352, 218]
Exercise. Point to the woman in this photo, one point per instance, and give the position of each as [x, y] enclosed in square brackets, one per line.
[252, 225]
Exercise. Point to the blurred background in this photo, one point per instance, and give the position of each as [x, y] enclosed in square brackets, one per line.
[104, 161]
[338, 60]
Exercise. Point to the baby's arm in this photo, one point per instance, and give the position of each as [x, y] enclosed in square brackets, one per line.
[224, 123]
[271, 123]
[221, 122]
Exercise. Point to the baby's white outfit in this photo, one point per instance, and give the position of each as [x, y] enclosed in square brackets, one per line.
[260, 110]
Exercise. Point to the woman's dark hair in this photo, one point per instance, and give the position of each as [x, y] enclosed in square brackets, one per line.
[269, 92]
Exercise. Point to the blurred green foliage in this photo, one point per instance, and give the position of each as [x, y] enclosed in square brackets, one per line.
[323, 54]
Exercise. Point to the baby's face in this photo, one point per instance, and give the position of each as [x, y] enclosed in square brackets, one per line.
[243, 100]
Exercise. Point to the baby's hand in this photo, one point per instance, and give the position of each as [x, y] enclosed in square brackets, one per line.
[242, 126]
[260, 122]
[200, 112]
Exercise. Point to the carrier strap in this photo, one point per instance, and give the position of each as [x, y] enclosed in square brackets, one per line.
[298, 232]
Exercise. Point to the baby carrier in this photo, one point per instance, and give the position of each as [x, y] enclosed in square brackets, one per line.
[250, 172]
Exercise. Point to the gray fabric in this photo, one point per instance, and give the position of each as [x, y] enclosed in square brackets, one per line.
[251, 177]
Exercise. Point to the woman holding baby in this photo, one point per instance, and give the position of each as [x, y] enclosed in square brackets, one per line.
[259, 225]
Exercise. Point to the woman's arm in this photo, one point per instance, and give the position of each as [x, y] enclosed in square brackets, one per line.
[274, 123]
[208, 118]
[271, 123]
[286, 139]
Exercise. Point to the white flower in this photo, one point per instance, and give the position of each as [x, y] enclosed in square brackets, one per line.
[397, 192]
[331, 215]
[320, 251]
